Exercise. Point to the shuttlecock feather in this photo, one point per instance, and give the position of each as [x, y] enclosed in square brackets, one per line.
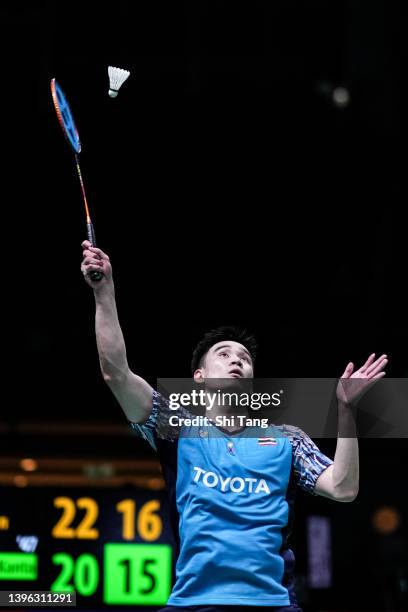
[117, 76]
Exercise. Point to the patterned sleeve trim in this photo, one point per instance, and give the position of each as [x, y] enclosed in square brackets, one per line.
[157, 425]
[308, 461]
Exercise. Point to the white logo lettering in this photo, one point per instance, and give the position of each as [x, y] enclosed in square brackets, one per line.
[206, 479]
[241, 484]
[250, 482]
[235, 484]
[199, 472]
[262, 486]
[224, 483]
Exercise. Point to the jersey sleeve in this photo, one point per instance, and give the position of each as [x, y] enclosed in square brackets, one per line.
[158, 423]
[308, 461]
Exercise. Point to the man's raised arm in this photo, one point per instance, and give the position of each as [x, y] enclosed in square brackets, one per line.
[340, 481]
[133, 393]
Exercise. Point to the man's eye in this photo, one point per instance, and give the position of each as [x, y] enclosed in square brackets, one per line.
[224, 354]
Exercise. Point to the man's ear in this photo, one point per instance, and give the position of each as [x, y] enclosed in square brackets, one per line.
[198, 376]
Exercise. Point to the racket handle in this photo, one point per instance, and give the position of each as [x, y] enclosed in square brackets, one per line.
[94, 275]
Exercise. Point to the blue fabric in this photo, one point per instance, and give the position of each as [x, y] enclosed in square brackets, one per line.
[232, 500]
[230, 609]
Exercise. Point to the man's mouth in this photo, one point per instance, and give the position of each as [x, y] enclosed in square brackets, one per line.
[236, 373]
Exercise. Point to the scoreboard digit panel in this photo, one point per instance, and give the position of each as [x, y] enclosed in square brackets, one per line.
[113, 547]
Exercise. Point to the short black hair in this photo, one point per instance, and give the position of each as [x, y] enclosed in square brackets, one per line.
[237, 334]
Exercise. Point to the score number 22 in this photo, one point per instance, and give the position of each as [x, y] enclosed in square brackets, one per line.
[149, 524]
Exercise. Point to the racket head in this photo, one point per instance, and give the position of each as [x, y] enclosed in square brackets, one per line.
[65, 117]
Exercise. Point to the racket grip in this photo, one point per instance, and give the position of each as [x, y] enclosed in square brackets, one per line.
[94, 275]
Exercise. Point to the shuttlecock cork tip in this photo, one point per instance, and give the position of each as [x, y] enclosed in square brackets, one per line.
[117, 76]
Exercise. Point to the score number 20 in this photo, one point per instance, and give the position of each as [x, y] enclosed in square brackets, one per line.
[149, 524]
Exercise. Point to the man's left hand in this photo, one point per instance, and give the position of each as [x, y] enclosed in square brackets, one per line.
[353, 385]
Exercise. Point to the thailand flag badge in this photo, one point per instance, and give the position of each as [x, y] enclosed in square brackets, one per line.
[267, 441]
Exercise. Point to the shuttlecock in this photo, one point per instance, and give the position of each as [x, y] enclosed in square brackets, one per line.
[117, 76]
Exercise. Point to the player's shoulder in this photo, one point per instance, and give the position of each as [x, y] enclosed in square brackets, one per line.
[291, 432]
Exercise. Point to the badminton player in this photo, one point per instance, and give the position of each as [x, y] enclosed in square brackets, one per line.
[231, 496]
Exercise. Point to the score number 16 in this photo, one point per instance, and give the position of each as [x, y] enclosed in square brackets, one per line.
[149, 524]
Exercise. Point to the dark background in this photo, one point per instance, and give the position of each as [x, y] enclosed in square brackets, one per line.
[227, 187]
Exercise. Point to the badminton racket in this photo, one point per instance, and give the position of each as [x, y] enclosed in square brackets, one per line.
[69, 128]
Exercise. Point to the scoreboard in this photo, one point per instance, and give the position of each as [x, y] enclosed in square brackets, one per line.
[113, 547]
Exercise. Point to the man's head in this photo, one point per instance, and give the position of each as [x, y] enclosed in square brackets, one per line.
[225, 352]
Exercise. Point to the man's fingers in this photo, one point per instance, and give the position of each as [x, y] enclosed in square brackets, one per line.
[376, 363]
[368, 362]
[348, 371]
[378, 368]
[92, 261]
[87, 269]
[87, 246]
[379, 375]
[101, 254]
[95, 254]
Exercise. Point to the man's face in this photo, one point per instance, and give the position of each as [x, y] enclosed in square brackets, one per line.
[227, 359]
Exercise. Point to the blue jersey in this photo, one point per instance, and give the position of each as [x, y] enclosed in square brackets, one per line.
[231, 507]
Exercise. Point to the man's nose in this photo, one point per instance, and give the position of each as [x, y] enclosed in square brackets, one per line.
[236, 361]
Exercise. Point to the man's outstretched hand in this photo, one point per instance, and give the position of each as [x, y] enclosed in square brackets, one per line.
[353, 385]
[95, 260]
